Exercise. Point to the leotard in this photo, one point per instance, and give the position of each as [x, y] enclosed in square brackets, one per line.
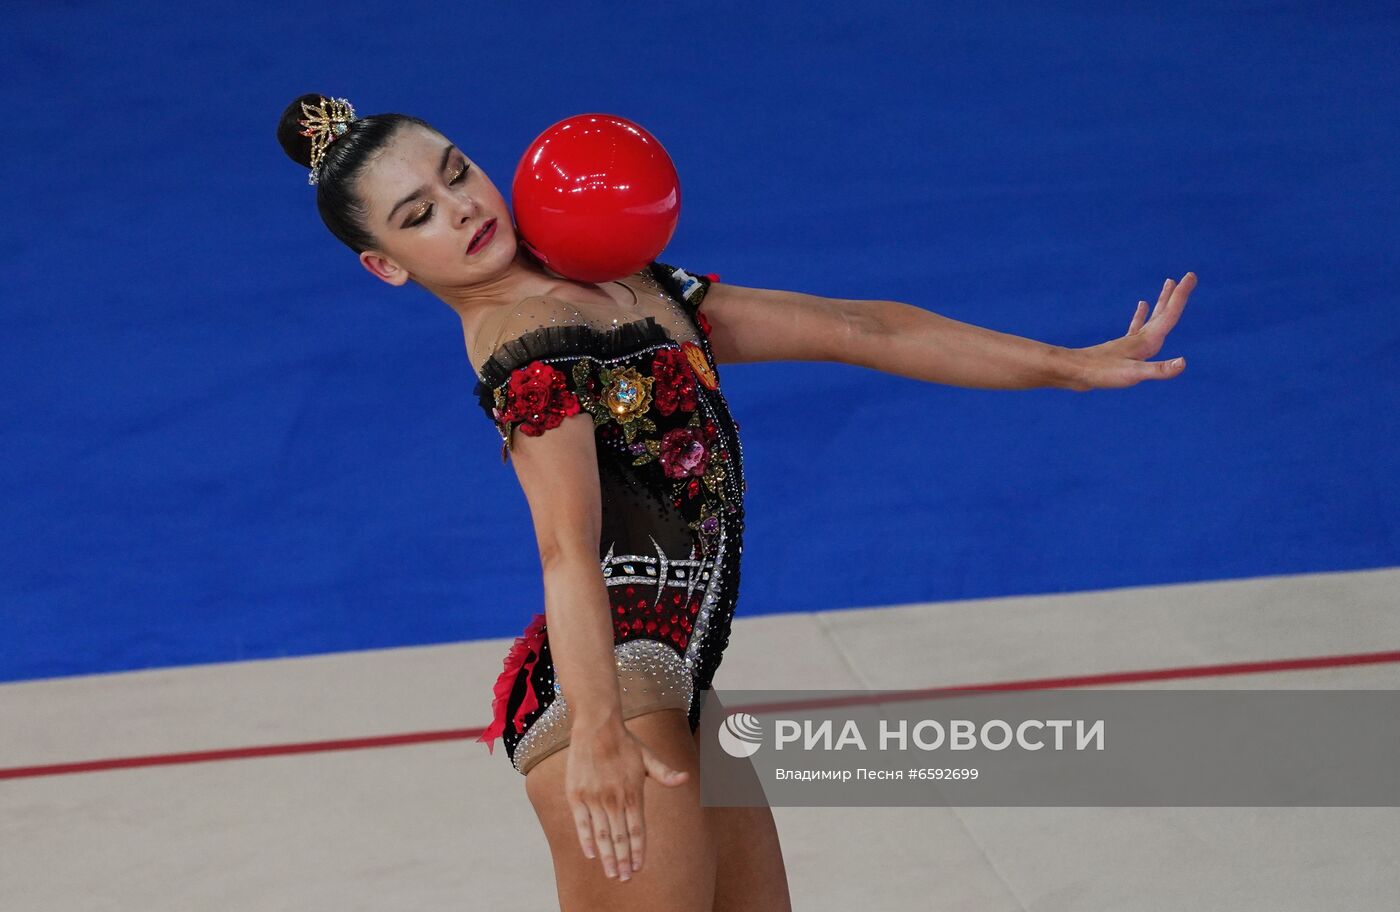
[670, 470]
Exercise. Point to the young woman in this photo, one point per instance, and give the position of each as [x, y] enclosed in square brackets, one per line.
[608, 402]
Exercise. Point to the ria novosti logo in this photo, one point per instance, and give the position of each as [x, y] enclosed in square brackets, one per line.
[740, 735]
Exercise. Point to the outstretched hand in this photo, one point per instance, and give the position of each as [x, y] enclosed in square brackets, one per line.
[1123, 361]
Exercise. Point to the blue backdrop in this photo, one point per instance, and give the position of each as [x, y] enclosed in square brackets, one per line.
[223, 440]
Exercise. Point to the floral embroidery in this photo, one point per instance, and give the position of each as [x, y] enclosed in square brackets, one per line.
[625, 398]
[627, 393]
[646, 393]
[682, 453]
[629, 403]
[675, 381]
[538, 397]
[707, 529]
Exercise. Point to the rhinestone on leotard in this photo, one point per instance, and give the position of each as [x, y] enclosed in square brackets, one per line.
[672, 594]
[651, 676]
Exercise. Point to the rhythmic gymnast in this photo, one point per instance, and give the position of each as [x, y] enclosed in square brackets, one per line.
[608, 402]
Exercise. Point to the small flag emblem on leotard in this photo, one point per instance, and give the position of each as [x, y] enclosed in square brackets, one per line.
[688, 282]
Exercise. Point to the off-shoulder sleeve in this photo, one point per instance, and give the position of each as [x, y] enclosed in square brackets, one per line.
[532, 382]
[688, 289]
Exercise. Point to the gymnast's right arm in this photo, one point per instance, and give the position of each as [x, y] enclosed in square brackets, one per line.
[606, 763]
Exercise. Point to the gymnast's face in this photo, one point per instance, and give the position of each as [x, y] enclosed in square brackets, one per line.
[426, 202]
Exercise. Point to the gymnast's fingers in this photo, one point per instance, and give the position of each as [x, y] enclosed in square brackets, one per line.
[659, 771]
[621, 838]
[1139, 318]
[636, 830]
[602, 838]
[1165, 317]
[584, 826]
[1163, 370]
[1165, 294]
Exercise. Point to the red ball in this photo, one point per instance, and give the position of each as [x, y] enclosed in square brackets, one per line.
[595, 198]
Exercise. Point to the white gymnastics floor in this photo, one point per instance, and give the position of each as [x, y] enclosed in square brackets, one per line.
[441, 824]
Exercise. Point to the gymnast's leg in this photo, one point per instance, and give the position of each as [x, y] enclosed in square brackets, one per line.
[678, 862]
[750, 874]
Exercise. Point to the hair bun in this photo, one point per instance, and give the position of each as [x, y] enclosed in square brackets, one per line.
[289, 130]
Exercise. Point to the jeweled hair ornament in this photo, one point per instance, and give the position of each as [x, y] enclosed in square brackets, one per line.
[325, 123]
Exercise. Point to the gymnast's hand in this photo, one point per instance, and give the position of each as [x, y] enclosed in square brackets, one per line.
[607, 766]
[1123, 361]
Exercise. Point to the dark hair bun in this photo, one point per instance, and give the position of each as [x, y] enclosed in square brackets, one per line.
[289, 129]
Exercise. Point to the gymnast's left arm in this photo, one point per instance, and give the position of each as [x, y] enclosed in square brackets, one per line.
[759, 324]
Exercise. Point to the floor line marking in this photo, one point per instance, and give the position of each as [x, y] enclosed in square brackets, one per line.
[455, 734]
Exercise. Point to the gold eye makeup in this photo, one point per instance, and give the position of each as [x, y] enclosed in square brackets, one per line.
[457, 178]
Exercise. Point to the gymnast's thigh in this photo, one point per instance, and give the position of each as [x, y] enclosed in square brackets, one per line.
[679, 858]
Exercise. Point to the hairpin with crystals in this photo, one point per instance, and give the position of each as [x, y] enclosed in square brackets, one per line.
[325, 123]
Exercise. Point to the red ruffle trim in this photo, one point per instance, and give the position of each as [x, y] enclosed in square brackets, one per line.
[523, 654]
